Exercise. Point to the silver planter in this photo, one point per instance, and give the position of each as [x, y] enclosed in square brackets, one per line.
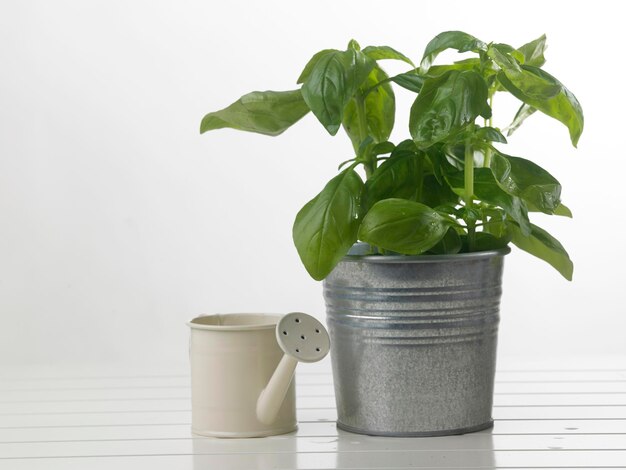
[413, 341]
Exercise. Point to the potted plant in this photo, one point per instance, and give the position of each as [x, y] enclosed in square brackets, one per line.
[412, 253]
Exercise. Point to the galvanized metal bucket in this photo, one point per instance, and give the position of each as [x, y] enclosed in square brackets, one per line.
[413, 341]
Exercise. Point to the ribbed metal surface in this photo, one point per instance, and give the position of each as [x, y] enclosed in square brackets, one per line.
[413, 342]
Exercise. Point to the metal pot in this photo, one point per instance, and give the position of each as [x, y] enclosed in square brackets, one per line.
[413, 341]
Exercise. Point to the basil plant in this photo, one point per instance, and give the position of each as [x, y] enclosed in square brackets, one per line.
[449, 188]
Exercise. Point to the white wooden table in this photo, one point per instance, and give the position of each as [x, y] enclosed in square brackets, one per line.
[572, 416]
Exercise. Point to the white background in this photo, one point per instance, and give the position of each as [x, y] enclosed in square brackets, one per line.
[119, 222]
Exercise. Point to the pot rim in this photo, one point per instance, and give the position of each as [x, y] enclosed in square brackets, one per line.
[235, 321]
[354, 255]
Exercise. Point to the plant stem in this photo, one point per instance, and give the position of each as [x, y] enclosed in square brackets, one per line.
[369, 164]
[469, 190]
[489, 122]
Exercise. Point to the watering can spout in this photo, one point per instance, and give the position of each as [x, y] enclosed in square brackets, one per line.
[302, 338]
[273, 395]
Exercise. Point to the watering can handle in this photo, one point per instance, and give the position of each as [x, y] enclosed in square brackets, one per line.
[274, 393]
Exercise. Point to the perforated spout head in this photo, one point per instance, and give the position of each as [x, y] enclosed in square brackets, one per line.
[302, 337]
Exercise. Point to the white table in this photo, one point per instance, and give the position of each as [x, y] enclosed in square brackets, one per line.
[572, 416]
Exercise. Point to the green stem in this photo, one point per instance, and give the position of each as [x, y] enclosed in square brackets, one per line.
[489, 122]
[370, 163]
[469, 190]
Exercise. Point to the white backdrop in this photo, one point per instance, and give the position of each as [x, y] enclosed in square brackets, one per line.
[118, 221]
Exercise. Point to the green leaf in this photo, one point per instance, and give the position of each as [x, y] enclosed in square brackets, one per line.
[511, 68]
[435, 194]
[490, 134]
[496, 223]
[396, 178]
[522, 113]
[403, 226]
[505, 56]
[364, 147]
[450, 244]
[473, 63]
[380, 110]
[308, 68]
[382, 148]
[557, 101]
[527, 180]
[458, 40]
[533, 51]
[332, 82]
[544, 246]
[561, 210]
[326, 227]
[409, 80]
[386, 52]
[264, 112]
[446, 104]
[484, 241]
[441, 163]
[353, 44]
[487, 190]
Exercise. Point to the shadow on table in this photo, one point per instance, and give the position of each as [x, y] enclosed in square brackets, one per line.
[465, 451]
[254, 454]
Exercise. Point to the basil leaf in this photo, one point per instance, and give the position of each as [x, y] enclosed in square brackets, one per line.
[308, 68]
[326, 227]
[484, 241]
[522, 113]
[458, 40]
[450, 244]
[544, 246]
[473, 63]
[382, 148]
[557, 101]
[332, 82]
[446, 104]
[386, 52]
[395, 178]
[504, 55]
[409, 80]
[561, 210]
[353, 44]
[487, 190]
[264, 112]
[435, 194]
[490, 134]
[497, 223]
[403, 226]
[527, 180]
[533, 51]
[380, 110]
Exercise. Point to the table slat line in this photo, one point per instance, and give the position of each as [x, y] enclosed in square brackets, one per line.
[306, 395]
[188, 410]
[415, 451]
[579, 381]
[307, 436]
[299, 421]
[82, 400]
[147, 387]
[302, 372]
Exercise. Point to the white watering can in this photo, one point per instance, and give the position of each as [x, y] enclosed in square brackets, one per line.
[242, 369]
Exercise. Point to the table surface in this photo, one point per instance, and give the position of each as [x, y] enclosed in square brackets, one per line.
[572, 416]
